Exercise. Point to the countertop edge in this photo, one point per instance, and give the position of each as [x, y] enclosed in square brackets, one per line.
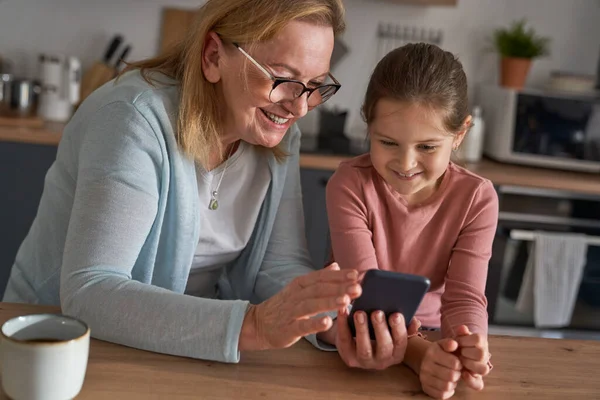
[499, 174]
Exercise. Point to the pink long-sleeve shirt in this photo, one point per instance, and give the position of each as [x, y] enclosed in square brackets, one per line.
[448, 238]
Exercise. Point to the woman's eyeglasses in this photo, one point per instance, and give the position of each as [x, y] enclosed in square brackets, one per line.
[289, 89]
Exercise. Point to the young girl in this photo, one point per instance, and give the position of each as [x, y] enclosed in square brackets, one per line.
[406, 207]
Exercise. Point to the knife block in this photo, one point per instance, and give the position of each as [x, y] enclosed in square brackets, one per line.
[96, 76]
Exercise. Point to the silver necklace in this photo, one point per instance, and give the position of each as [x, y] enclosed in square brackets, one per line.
[213, 204]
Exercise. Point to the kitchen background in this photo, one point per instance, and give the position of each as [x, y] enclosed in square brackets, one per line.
[531, 199]
[82, 28]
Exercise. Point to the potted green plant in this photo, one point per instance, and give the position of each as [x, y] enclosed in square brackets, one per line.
[517, 47]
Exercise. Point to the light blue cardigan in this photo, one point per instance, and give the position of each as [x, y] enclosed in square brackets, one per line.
[118, 224]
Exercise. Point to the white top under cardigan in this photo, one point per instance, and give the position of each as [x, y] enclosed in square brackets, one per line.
[226, 231]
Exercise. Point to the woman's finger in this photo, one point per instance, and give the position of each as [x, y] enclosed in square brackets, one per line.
[361, 275]
[325, 275]
[326, 289]
[311, 307]
[309, 326]
[333, 266]
[344, 336]
[291, 333]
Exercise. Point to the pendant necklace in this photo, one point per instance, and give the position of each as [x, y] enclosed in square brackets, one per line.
[213, 204]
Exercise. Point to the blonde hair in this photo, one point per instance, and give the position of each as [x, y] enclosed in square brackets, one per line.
[242, 21]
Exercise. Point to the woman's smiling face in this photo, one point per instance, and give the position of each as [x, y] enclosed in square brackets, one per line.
[301, 51]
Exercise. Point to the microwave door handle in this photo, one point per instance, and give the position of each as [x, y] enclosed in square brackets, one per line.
[518, 234]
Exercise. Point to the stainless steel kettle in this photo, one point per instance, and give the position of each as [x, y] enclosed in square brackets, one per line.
[18, 96]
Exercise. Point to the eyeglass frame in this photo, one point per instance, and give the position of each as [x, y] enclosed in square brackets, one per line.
[278, 80]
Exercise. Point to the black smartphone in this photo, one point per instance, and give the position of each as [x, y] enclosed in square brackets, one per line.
[390, 292]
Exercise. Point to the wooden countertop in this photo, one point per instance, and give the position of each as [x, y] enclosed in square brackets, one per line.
[50, 134]
[498, 173]
[524, 368]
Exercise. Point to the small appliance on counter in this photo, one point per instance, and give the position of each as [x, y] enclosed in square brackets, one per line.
[546, 128]
[18, 96]
[331, 130]
[60, 79]
[472, 145]
[331, 136]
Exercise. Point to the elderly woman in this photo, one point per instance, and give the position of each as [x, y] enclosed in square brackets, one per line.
[172, 220]
[176, 192]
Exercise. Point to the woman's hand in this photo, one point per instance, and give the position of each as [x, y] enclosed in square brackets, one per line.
[389, 347]
[474, 356]
[440, 369]
[286, 317]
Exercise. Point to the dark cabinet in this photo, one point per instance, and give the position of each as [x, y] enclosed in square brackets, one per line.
[22, 171]
[524, 213]
[314, 182]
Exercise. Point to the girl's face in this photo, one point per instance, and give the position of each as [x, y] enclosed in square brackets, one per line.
[410, 148]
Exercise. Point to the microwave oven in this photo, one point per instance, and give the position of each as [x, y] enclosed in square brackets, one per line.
[541, 128]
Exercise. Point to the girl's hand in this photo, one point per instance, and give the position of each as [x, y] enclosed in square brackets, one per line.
[440, 369]
[361, 352]
[474, 356]
[288, 316]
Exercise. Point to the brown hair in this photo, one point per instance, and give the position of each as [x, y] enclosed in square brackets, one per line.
[422, 74]
[241, 21]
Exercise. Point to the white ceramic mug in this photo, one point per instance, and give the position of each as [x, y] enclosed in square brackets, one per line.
[44, 356]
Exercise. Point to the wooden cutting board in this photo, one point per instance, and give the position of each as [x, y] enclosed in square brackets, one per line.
[176, 22]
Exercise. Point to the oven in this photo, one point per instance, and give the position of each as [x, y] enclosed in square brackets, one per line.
[522, 212]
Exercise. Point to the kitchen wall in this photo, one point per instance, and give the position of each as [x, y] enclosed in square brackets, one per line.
[573, 25]
[83, 27]
[79, 27]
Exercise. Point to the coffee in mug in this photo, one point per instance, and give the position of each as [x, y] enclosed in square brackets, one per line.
[44, 356]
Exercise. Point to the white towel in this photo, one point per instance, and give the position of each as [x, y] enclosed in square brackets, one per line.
[552, 278]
